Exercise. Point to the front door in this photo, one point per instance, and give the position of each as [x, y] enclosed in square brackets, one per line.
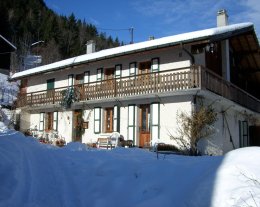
[144, 136]
[79, 81]
[77, 126]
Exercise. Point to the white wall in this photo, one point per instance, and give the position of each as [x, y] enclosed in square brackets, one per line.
[171, 58]
[168, 119]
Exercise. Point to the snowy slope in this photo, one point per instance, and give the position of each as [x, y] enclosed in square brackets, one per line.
[37, 175]
[8, 90]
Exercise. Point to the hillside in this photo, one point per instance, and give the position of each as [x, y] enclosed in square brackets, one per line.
[25, 22]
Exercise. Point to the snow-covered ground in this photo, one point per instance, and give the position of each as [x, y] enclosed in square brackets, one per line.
[38, 175]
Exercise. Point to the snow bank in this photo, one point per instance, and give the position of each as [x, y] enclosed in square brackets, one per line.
[35, 175]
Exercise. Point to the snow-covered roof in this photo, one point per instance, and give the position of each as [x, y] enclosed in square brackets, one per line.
[132, 48]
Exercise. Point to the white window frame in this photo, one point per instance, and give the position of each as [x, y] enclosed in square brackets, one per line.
[99, 74]
[118, 71]
[132, 69]
[86, 76]
[155, 67]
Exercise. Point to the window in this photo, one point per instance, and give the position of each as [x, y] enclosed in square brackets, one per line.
[197, 49]
[70, 80]
[132, 69]
[99, 74]
[50, 84]
[118, 71]
[109, 119]
[49, 120]
[41, 124]
[79, 79]
[86, 77]
[155, 65]
[243, 134]
[97, 120]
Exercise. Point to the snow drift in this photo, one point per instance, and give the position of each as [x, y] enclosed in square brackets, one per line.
[35, 175]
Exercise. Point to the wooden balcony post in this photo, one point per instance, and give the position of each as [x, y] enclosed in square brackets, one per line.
[31, 103]
[115, 88]
[53, 96]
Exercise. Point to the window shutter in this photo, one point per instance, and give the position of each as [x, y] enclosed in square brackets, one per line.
[41, 124]
[55, 121]
[131, 122]
[116, 118]
[97, 120]
[155, 65]
[155, 122]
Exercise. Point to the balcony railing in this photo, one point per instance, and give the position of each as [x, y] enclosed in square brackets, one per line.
[149, 83]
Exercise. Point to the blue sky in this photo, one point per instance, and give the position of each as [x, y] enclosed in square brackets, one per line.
[156, 18]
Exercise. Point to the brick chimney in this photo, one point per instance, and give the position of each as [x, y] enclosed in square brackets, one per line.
[222, 18]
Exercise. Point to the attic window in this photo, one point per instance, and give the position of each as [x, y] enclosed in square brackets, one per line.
[197, 49]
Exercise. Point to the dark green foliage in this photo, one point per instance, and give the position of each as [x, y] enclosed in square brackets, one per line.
[24, 22]
[70, 96]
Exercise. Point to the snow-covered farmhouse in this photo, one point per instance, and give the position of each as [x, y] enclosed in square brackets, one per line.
[138, 89]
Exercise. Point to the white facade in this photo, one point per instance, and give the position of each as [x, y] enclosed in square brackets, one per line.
[145, 118]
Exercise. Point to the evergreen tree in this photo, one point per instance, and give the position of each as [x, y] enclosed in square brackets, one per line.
[24, 22]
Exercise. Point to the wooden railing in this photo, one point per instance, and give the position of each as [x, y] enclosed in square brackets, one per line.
[150, 83]
[217, 85]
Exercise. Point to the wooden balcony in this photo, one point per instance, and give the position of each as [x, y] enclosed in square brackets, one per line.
[151, 83]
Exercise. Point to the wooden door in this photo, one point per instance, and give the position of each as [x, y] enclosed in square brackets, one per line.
[144, 68]
[77, 126]
[213, 59]
[109, 73]
[79, 81]
[109, 77]
[109, 118]
[144, 135]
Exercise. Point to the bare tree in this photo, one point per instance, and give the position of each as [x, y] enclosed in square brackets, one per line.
[194, 127]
